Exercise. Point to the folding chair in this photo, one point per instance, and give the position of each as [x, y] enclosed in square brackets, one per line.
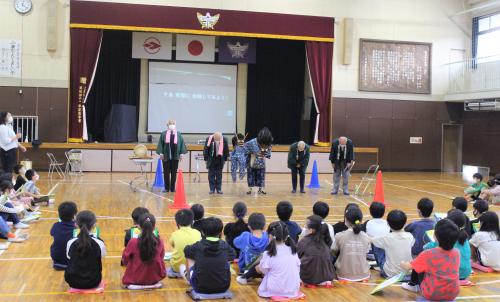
[366, 180]
[55, 166]
[199, 158]
[74, 159]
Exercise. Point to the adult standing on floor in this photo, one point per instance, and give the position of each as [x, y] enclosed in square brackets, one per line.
[256, 151]
[298, 159]
[8, 142]
[215, 154]
[342, 159]
[171, 149]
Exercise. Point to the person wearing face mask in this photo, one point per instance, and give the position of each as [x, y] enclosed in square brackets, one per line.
[298, 159]
[256, 151]
[342, 159]
[171, 149]
[215, 154]
[8, 142]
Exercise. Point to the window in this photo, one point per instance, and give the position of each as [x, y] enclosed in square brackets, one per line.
[486, 38]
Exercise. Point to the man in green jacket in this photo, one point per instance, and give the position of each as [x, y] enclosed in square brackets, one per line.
[171, 149]
[298, 159]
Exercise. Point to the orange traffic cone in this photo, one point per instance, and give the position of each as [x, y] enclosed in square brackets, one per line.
[180, 195]
[379, 189]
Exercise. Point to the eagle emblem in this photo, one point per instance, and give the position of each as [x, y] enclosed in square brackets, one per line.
[237, 50]
[207, 21]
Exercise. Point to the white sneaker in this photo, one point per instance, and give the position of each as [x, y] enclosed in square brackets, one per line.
[21, 225]
[409, 287]
[4, 246]
[17, 239]
[10, 224]
[241, 280]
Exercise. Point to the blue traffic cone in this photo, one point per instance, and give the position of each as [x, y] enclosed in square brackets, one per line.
[314, 183]
[159, 184]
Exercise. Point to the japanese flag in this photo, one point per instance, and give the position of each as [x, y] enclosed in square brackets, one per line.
[195, 48]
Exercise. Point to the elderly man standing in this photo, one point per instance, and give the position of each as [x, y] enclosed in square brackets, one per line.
[342, 159]
[215, 154]
[298, 159]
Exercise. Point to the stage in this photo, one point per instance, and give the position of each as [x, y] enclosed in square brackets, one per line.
[27, 273]
[113, 157]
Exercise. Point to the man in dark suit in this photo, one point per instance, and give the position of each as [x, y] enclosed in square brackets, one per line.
[215, 154]
[298, 159]
[342, 159]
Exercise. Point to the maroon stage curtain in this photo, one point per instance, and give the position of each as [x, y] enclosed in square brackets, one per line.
[319, 61]
[85, 45]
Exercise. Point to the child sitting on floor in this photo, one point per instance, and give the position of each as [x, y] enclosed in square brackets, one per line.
[341, 226]
[280, 265]
[135, 231]
[62, 232]
[284, 209]
[5, 233]
[352, 246]
[486, 243]
[251, 244]
[85, 252]
[316, 267]
[480, 206]
[462, 244]
[208, 260]
[474, 190]
[435, 271]
[30, 189]
[461, 204]
[184, 236]
[492, 194]
[143, 256]
[377, 226]
[394, 247]
[322, 209]
[419, 227]
[198, 213]
[235, 229]
[7, 211]
[19, 170]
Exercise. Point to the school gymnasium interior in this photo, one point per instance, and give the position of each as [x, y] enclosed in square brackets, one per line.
[415, 85]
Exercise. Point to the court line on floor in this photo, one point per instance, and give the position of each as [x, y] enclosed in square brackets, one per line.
[418, 190]
[53, 189]
[445, 183]
[351, 196]
[7, 244]
[146, 191]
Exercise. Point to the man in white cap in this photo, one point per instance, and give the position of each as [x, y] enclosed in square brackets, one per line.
[342, 159]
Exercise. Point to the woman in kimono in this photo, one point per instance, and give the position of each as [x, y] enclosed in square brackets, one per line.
[257, 150]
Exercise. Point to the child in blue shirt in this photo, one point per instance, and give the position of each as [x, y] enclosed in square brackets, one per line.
[418, 228]
[62, 232]
[252, 244]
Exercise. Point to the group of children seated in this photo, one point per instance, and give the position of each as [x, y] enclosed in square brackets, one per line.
[19, 202]
[436, 255]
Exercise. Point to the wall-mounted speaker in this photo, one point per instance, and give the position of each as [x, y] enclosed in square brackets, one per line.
[348, 40]
[52, 25]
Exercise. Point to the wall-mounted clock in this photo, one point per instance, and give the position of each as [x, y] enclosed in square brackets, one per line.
[23, 6]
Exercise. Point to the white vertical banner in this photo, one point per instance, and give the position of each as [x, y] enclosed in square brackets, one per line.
[195, 48]
[10, 58]
[147, 45]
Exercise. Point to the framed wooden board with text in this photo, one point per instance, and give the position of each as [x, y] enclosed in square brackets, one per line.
[395, 66]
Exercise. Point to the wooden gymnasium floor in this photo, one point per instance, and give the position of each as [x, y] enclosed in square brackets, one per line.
[27, 275]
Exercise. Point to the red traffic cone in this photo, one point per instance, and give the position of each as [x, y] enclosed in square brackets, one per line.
[180, 195]
[379, 189]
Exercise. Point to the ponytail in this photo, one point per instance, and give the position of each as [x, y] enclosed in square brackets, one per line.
[459, 219]
[240, 210]
[85, 221]
[148, 241]
[279, 232]
[321, 232]
[354, 216]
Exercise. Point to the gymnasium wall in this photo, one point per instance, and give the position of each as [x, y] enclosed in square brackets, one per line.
[409, 20]
[389, 124]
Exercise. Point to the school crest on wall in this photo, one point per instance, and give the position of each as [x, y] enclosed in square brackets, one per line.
[207, 21]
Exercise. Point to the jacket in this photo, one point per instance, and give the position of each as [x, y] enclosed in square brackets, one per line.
[292, 156]
[334, 152]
